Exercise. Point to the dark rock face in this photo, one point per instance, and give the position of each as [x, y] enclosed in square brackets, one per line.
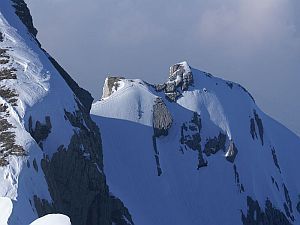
[275, 182]
[267, 216]
[191, 138]
[42, 206]
[23, 13]
[260, 127]
[275, 159]
[288, 207]
[76, 181]
[41, 131]
[179, 80]
[156, 155]
[237, 180]
[213, 145]
[253, 129]
[256, 121]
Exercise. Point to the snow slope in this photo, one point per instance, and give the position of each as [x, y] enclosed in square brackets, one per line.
[244, 170]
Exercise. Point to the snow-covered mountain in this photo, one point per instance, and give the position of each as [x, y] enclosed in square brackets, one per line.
[197, 150]
[50, 149]
[194, 150]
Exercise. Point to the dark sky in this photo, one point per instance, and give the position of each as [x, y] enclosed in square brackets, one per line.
[253, 42]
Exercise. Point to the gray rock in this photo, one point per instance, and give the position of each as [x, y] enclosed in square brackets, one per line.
[160, 87]
[162, 122]
[162, 118]
[172, 96]
[110, 84]
[179, 80]
[170, 87]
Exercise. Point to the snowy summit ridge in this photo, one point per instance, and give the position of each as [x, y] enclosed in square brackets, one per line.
[205, 152]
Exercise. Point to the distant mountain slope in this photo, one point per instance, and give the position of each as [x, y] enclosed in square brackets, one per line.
[50, 149]
[197, 150]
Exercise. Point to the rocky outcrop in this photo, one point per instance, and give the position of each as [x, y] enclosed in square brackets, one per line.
[111, 85]
[162, 122]
[180, 78]
[269, 215]
[162, 118]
